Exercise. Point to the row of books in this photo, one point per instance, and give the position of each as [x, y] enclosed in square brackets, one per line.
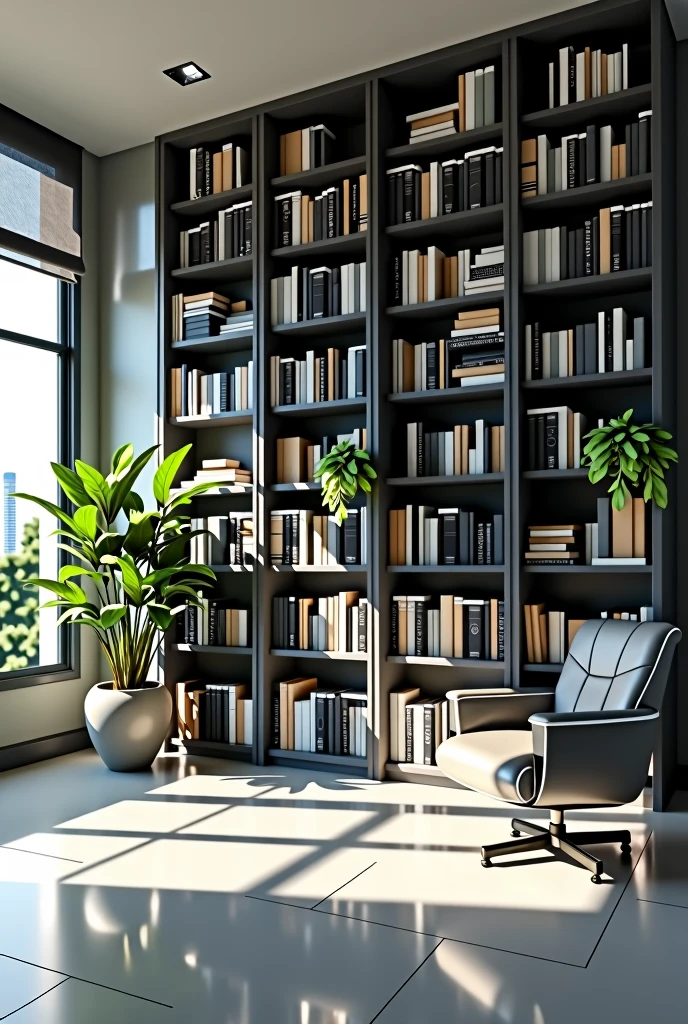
[194, 393]
[472, 355]
[464, 450]
[425, 277]
[337, 623]
[612, 343]
[474, 108]
[338, 210]
[305, 148]
[321, 721]
[555, 438]
[225, 540]
[298, 537]
[225, 237]
[313, 294]
[417, 726]
[222, 471]
[297, 457]
[450, 186]
[585, 158]
[341, 373]
[421, 535]
[208, 314]
[549, 634]
[616, 538]
[619, 238]
[217, 168]
[218, 712]
[586, 74]
[217, 623]
[448, 627]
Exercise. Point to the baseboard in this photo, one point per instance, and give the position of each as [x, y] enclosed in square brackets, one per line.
[19, 754]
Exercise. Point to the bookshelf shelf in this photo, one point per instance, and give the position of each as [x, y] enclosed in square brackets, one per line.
[479, 665]
[592, 380]
[302, 485]
[205, 649]
[445, 481]
[216, 419]
[455, 570]
[629, 101]
[211, 204]
[442, 309]
[605, 193]
[544, 667]
[327, 325]
[320, 568]
[555, 474]
[235, 751]
[327, 175]
[343, 245]
[341, 405]
[222, 492]
[320, 655]
[486, 218]
[588, 569]
[216, 345]
[404, 768]
[462, 141]
[220, 270]
[441, 395]
[593, 284]
[231, 568]
[336, 760]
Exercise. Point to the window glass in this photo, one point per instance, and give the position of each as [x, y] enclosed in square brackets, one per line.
[28, 302]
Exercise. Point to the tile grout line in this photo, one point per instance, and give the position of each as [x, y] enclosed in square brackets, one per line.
[35, 999]
[348, 882]
[37, 853]
[662, 903]
[395, 994]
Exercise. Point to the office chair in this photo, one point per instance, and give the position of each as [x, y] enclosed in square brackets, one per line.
[586, 745]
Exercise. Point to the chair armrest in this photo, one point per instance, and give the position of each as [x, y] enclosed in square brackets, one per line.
[475, 710]
[592, 758]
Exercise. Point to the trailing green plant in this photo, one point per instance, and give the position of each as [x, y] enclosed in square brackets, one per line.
[341, 472]
[140, 578]
[630, 452]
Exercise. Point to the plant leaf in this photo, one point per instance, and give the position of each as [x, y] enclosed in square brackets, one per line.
[132, 581]
[95, 485]
[160, 615]
[86, 521]
[123, 487]
[166, 472]
[110, 614]
[121, 459]
[71, 484]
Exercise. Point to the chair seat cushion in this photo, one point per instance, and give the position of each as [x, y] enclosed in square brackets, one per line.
[498, 763]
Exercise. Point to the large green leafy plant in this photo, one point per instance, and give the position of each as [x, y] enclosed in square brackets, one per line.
[140, 577]
[630, 452]
[341, 472]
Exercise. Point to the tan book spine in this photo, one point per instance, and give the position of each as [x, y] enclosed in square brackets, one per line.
[239, 713]
[346, 204]
[622, 160]
[454, 260]
[622, 531]
[393, 528]
[330, 375]
[573, 626]
[494, 613]
[528, 152]
[305, 206]
[234, 617]
[310, 461]
[543, 636]
[462, 103]
[283, 154]
[280, 461]
[401, 536]
[426, 122]
[465, 444]
[638, 528]
[603, 74]
[535, 627]
[502, 449]
[403, 626]
[588, 73]
[217, 172]
[473, 314]
[311, 214]
[183, 713]
[457, 451]
[227, 169]
[425, 195]
[458, 629]
[605, 241]
[446, 278]
[615, 163]
[447, 625]
[529, 634]
[528, 182]
[362, 201]
[293, 153]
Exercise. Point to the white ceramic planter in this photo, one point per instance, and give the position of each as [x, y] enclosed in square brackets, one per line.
[127, 727]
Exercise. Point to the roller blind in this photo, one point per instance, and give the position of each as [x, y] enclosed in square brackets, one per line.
[40, 197]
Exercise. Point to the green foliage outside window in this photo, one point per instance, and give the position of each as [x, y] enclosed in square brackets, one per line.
[18, 607]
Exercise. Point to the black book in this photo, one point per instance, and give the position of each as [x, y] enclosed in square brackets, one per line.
[319, 293]
[321, 723]
[194, 248]
[581, 161]
[421, 629]
[500, 630]
[409, 732]
[292, 623]
[448, 538]
[608, 343]
[571, 75]
[283, 223]
[200, 170]
[434, 454]
[449, 186]
[617, 215]
[421, 453]
[587, 242]
[336, 307]
[596, 244]
[287, 523]
[396, 281]
[498, 538]
[394, 628]
[275, 623]
[579, 350]
[481, 554]
[635, 149]
[463, 185]
[628, 238]
[475, 182]
[536, 354]
[571, 147]
[318, 219]
[333, 715]
[635, 236]
[351, 539]
[591, 154]
[329, 285]
[643, 145]
[552, 440]
[571, 255]
[580, 252]
[362, 624]
[429, 739]
[248, 230]
[331, 221]
[411, 186]
[475, 631]
[212, 624]
[464, 538]
[207, 172]
[638, 342]
[590, 359]
[360, 375]
[541, 457]
[431, 366]
[344, 716]
[604, 528]
[648, 255]
[399, 200]
[532, 443]
[489, 179]
[499, 178]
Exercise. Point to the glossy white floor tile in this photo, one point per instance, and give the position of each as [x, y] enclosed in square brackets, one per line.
[662, 876]
[20, 983]
[77, 1002]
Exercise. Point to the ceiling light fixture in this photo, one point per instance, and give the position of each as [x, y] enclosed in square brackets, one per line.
[186, 73]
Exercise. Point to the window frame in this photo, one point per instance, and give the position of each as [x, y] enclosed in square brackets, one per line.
[67, 349]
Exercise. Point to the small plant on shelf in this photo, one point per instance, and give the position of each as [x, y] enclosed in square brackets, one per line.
[341, 472]
[630, 452]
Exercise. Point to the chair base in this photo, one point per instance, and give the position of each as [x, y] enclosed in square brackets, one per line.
[561, 842]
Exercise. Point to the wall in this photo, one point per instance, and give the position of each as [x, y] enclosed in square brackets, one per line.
[33, 713]
[679, 480]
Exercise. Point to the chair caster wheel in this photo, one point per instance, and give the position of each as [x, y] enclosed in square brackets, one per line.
[595, 879]
[515, 833]
[626, 849]
[486, 863]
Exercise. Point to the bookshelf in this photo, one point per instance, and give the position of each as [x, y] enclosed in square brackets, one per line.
[367, 114]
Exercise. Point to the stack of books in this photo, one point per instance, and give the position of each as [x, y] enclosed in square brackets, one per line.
[218, 623]
[419, 535]
[586, 74]
[297, 457]
[612, 342]
[224, 471]
[199, 316]
[313, 294]
[194, 393]
[619, 238]
[417, 726]
[338, 210]
[452, 186]
[474, 108]
[239, 320]
[298, 537]
[327, 378]
[585, 158]
[555, 438]
[473, 355]
[218, 712]
[555, 545]
[224, 237]
[226, 540]
[305, 149]
[425, 277]
[465, 450]
[338, 623]
[319, 721]
[214, 169]
[448, 627]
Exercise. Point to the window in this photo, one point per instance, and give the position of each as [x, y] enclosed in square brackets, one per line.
[37, 380]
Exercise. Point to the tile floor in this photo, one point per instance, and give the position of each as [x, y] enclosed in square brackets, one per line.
[223, 893]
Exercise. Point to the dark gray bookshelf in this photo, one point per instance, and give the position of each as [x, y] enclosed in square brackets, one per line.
[367, 114]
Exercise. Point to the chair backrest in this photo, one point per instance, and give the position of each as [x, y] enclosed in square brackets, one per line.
[616, 665]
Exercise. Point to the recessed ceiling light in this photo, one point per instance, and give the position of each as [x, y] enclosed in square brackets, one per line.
[186, 73]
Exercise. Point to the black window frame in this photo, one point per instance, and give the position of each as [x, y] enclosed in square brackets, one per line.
[67, 349]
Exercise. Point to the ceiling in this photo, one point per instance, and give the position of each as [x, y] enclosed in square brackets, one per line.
[92, 69]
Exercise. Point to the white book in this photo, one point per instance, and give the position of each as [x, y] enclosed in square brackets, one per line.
[423, 365]
[286, 300]
[543, 148]
[411, 450]
[629, 355]
[618, 338]
[482, 378]
[413, 276]
[529, 352]
[344, 286]
[610, 74]
[600, 342]
[470, 100]
[305, 149]
[480, 446]
[487, 285]
[606, 143]
[363, 289]
[296, 218]
[479, 97]
[404, 278]
[550, 82]
[619, 561]
[471, 462]
[248, 722]
[618, 71]
[579, 429]
[489, 258]
[448, 108]
[310, 376]
[563, 76]
[580, 76]
[434, 189]
[548, 255]
[556, 254]
[563, 353]
[449, 453]
[624, 66]
[432, 129]
[435, 256]
[530, 257]
[434, 135]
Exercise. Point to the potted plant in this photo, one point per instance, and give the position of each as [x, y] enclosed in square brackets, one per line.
[630, 452]
[135, 581]
[341, 472]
